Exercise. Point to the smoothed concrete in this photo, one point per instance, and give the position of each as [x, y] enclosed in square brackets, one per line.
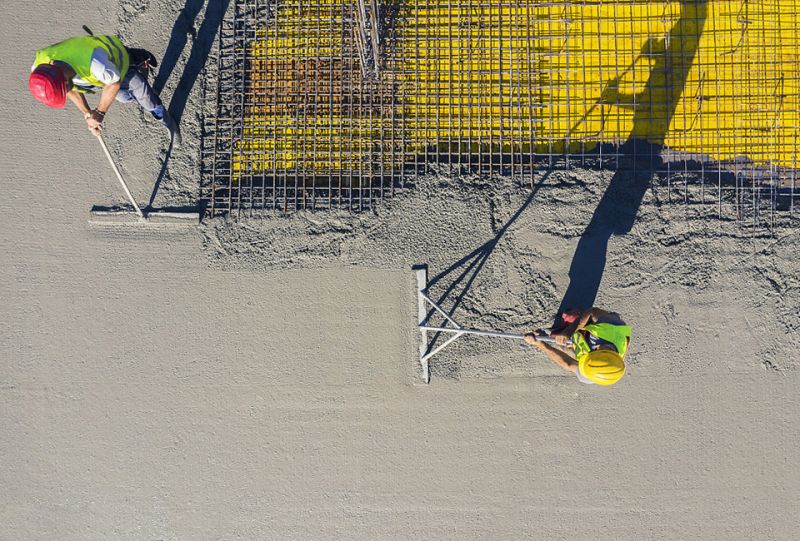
[191, 384]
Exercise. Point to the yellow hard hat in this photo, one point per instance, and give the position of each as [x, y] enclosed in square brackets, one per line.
[602, 366]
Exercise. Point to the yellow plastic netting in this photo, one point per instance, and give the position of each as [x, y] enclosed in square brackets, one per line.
[717, 78]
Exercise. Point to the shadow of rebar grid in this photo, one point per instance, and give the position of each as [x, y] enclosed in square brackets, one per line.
[337, 104]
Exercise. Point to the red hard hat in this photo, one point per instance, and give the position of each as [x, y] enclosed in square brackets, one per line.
[48, 85]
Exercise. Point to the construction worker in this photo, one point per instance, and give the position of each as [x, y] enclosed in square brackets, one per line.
[600, 340]
[82, 65]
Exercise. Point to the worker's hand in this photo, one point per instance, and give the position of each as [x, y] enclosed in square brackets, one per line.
[94, 121]
[561, 339]
[530, 338]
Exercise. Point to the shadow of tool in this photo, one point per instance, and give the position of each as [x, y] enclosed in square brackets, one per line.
[653, 110]
[467, 268]
[161, 175]
[202, 41]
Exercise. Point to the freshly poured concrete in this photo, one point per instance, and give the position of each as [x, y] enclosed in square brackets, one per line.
[258, 381]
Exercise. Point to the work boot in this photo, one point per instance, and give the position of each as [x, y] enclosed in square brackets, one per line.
[174, 129]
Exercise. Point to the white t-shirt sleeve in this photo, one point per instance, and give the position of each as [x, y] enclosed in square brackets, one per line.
[103, 69]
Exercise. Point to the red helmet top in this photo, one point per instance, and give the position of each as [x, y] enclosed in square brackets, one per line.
[48, 85]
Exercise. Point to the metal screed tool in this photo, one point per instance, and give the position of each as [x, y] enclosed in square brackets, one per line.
[427, 308]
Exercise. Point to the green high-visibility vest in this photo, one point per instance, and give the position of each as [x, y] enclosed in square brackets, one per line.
[619, 335]
[77, 52]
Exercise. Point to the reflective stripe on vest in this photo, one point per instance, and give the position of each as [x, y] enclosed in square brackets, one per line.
[619, 335]
[77, 52]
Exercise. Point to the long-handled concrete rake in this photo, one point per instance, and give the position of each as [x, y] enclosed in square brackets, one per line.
[455, 329]
[124, 216]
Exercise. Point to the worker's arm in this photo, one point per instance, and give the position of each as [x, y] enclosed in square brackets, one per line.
[590, 315]
[93, 122]
[107, 97]
[80, 101]
[580, 322]
[561, 358]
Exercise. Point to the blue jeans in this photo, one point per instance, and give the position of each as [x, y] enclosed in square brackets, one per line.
[134, 87]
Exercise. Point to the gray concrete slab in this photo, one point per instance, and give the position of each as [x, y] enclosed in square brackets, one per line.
[148, 392]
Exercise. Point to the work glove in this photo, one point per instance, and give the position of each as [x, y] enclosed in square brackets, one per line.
[94, 121]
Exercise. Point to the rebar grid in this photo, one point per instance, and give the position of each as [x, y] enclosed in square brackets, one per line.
[702, 95]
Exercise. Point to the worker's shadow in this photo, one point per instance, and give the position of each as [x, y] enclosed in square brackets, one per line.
[203, 37]
[458, 278]
[161, 174]
[653, 108]
[202, 41]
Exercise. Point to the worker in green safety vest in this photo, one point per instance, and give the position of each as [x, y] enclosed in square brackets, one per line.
[600, 340]
[77, 66]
